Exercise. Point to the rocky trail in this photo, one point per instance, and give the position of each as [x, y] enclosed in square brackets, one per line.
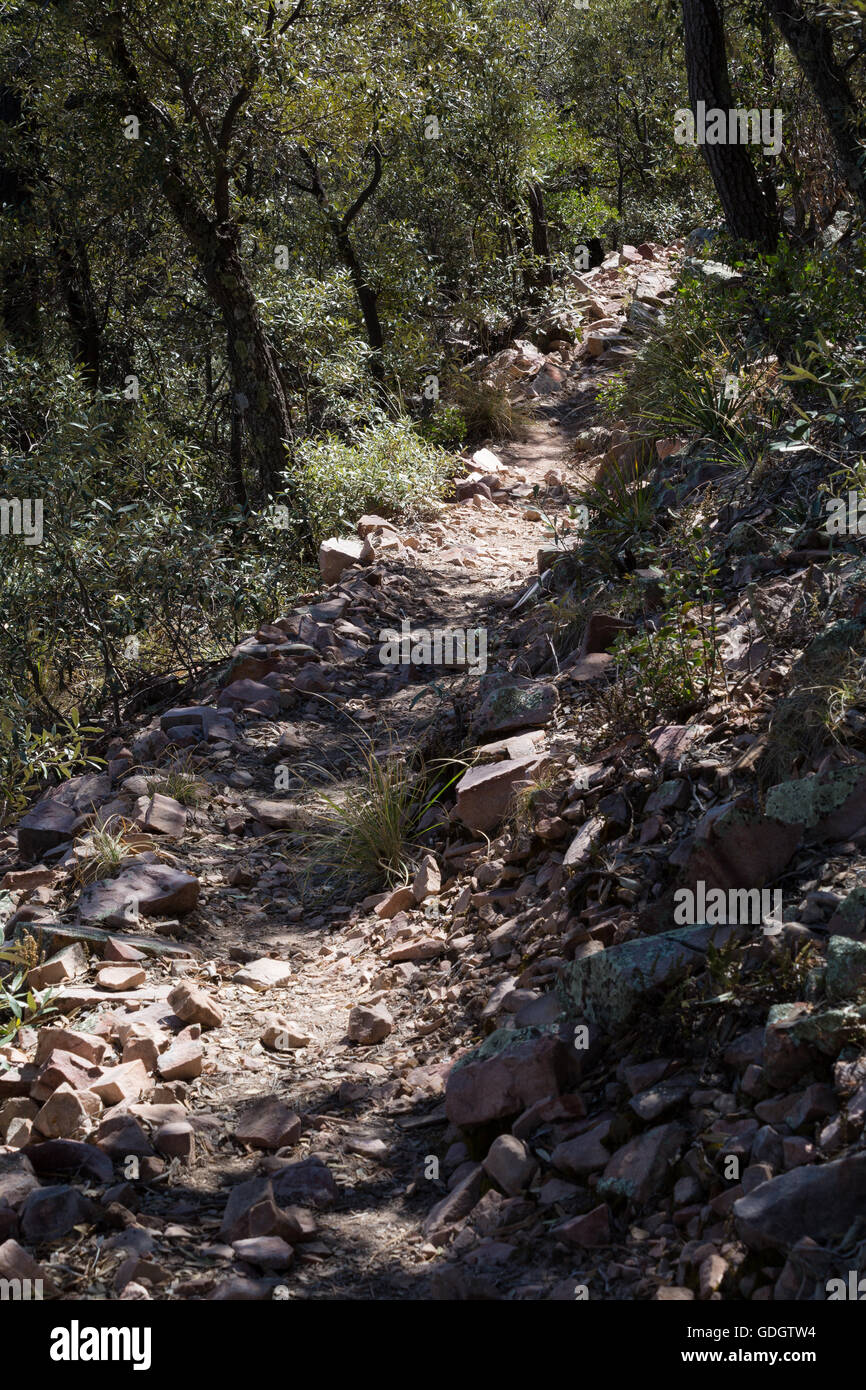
[248, 1089]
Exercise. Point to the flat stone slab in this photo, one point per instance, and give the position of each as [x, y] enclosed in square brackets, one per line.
[53, 935]
[484, 793]
[264, 974]
[609, 987]
[153, 888]
[819, 1201]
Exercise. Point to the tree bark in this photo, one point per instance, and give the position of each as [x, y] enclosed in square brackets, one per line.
[540, 235]
[811, 42]
[745, 207]
[259, 397]
[339, 228]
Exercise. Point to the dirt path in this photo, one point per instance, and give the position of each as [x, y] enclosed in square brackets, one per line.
[373, 1114]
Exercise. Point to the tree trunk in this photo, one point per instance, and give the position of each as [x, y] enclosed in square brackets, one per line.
[747, 214]
[540, 235]
[367, 298]
[19, 277]
[73, 273]
[259, 399]
[811, 42]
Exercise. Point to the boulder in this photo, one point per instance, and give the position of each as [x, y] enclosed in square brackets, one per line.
[820, 1201]
[485, 792]
[509, 1072]
[337, 555]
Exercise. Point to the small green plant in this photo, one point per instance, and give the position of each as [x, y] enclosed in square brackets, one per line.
[836, 369]
[675, 664]
[106, 848]
[445, 426]
[18, 1003]
[613, 395]
[29, 756]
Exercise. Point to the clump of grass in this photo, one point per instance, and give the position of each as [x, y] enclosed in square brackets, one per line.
[526, 799]
[178, 781]
[364, 828]
[488, 410]
[106, 848]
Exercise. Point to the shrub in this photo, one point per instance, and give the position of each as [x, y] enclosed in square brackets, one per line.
[386, 468]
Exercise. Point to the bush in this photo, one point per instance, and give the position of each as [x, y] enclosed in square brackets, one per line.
[386, 467]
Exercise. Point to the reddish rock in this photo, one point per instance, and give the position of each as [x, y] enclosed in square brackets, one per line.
[127, 1081]
[122, 1137]
[17, 1178]
[591, 1229]
[62, 1067]
[276, 815]
[484, 793]
[640, 1168]
[182, 1061]
[336, 555]
[16, 1263]
[143, 1050]
[154, 889]
[87, 1046]
[121, 951]
[267, 1252]
[194, 1005]
[510, 1164]
[45, 826]
[507, 1082]
[176, 1140]
[269, 1124]
[264, 974]
[455, 1207]
[428, 879]
[252, 1211]
[63, 966]
[161, 815]
[369, 1024]
[585, 1153]
[281, 1034]
[69, 1156]
[67, 1113]
[400, 900]
[253, 695]
[115, 978]
[53, 1212]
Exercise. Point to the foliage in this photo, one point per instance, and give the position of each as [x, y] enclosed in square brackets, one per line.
[29, 756]
[386, 468]
[19, 1005]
